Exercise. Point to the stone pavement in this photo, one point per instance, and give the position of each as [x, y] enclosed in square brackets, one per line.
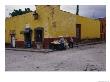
[84, 58]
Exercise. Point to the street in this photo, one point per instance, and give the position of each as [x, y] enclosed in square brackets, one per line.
[84, 58]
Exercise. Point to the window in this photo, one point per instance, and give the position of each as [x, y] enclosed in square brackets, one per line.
[35, 15]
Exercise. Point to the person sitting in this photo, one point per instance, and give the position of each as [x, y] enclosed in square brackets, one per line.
[62, 41]
[66, 44]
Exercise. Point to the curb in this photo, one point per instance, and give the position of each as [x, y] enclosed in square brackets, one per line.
[30, 50]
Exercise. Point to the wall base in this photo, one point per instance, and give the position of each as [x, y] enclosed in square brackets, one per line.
[46, 42]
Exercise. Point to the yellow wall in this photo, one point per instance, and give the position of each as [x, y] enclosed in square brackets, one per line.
[90, 28]
[61, 24]
[55, 23]
[18, 23]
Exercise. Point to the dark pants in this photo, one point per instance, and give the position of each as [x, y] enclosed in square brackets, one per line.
[28, 44]
[62, 46]
[71, 44]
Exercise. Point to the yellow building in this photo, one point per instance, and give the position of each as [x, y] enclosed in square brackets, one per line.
[47, 24]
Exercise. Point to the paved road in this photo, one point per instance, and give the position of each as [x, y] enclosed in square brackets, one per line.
[85, 58]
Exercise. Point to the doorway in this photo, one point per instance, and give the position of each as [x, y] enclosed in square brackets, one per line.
[28, 38]
[12, 38]
[102, 32]
[13, 41]
[39, 36]
[78, 32]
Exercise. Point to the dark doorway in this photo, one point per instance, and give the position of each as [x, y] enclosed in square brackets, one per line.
[78, 32]
[39, 34]
[28, 38]
[102, 32]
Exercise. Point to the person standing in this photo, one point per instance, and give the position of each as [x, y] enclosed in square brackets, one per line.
[71, 42]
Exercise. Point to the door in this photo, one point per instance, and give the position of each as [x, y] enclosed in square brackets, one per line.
[102, 32]
[28, 38]
[13, 41]
[78, 32]
[39, 34]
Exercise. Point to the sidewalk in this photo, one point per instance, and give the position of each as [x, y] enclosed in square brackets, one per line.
[30, 50]
[50, 50]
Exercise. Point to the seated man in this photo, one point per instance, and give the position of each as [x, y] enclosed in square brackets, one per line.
[62, 41]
